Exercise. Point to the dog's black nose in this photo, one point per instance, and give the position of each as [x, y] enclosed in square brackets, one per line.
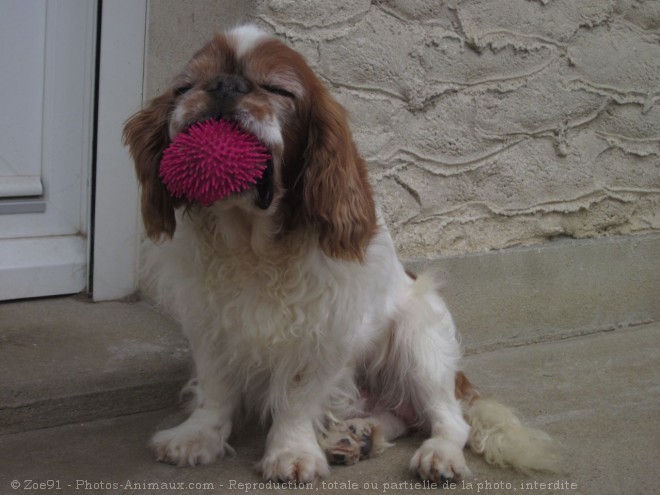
[227, 87]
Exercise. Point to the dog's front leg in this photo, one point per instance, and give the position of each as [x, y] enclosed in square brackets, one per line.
[440, 458]
[292, 450]
[420, 368]
[431, 344]
[202, 437]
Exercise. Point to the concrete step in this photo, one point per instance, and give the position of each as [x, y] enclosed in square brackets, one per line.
[597, 394]
[67, 360]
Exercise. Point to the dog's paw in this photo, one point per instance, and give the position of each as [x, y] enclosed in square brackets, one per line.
[349, 442]
[190, 444]
[438, 460]
[299, 466]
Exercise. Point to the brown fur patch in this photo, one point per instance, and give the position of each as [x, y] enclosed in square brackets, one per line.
[465, 391]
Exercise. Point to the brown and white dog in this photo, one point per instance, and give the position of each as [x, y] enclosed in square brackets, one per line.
[291, 294]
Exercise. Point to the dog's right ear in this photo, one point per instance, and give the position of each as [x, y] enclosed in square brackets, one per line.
[146, 135]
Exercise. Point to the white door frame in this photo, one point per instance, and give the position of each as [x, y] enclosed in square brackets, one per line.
[116, 226]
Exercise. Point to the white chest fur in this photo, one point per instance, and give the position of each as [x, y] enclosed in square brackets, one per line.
[269, 315]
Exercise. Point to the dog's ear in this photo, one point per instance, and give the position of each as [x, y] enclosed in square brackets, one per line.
[146, 134]
[337, 196]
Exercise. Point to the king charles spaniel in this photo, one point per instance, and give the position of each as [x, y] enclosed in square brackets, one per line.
[291, 294]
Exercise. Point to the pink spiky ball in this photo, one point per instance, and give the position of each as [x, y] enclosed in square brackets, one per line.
[211, 160]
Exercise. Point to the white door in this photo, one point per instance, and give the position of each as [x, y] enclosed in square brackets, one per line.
[47, 52]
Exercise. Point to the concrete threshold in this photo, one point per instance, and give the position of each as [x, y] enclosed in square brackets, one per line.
[596, 394]
[67, 360]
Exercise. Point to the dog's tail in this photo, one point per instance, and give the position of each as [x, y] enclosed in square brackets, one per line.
[498, 434]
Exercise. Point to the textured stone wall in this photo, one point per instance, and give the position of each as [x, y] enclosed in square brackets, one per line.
[486, 123]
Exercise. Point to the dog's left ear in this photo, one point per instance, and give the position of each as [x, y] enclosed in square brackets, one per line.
[146, 135]
[337, 196]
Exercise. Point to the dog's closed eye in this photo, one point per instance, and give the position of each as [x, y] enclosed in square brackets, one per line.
[184, 88]
[278, 91]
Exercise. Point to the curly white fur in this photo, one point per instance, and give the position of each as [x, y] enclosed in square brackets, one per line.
[281, 332]
[504, 441]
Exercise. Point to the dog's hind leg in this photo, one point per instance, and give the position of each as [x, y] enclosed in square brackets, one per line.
[349, 441]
